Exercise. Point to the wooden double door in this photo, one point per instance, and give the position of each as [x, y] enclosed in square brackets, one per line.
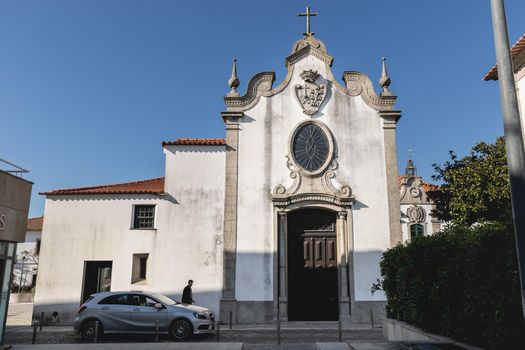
[312, 266]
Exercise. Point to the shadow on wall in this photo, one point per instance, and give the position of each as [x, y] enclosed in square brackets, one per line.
[363, 272]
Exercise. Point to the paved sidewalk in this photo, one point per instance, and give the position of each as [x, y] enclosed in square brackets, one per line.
[19, 314]
[214, 346]
[127, 346]
[256, 337]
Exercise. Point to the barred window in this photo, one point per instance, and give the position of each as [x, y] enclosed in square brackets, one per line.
[144, 217]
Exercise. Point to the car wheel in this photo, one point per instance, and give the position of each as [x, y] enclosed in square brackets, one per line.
[87, 329]
[181, 329]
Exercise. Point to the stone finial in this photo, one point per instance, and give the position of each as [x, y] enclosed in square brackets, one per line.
[234, 80]
[385, 79]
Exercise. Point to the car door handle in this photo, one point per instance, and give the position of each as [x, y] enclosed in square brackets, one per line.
[105, 308]
[136, 309]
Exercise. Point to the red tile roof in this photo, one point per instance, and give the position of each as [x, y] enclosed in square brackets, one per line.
[429, 187]
[196, 142]
[151, 186]
[35, 224]
[514, 51]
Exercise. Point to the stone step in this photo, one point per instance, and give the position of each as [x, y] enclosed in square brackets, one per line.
[298, 346]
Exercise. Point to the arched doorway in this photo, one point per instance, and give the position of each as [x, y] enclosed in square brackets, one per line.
[312, 266]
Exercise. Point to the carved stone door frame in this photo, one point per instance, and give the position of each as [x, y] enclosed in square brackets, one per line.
[344, 234]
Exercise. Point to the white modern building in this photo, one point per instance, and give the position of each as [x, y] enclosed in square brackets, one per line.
[517, 52]
[25, 269]
[286, 216]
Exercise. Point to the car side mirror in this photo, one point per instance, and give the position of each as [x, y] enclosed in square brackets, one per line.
[158, 306]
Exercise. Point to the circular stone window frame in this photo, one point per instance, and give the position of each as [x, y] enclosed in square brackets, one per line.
[331, 149]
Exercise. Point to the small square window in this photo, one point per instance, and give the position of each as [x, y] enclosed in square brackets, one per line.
[140, 266]
[144, 217]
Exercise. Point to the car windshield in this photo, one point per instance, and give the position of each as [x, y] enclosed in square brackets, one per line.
[164, 299]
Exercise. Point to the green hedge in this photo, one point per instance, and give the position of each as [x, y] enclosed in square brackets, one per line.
[462, 283]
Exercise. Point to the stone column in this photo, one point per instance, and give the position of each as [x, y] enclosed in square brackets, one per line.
[394, 210]
[283, 262]
[342, 249]
[228, 303]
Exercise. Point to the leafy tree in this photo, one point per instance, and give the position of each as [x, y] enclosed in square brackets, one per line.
[474, 188]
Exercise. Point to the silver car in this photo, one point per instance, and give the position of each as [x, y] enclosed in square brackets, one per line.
[139, 312]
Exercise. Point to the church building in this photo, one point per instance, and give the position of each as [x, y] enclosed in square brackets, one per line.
[285, 217]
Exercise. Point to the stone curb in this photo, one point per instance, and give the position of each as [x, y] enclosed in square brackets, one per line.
[134, 346]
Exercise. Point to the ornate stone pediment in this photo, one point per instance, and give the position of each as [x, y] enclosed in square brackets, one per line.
[412, 191]
[312, 188]
[309, 45]
[310, 94]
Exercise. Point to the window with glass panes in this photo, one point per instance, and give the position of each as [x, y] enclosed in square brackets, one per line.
[416, 230]
[144, 217]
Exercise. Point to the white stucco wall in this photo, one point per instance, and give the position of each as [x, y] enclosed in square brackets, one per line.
[520, 83]
[186, 243]
[263, 145]
[194, 221]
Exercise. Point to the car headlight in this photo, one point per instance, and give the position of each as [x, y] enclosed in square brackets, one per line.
[200, 316]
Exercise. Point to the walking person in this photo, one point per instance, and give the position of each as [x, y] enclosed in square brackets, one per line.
[187, 294]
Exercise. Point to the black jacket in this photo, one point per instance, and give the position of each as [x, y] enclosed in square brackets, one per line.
[187, 295]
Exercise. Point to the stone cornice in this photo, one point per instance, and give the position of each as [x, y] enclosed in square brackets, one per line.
[390, 118]
[306, 51]
[282, 201]
[231, 116]
[358, 84]
[258, 85]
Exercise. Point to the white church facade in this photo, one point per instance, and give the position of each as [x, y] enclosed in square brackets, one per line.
[286, 217]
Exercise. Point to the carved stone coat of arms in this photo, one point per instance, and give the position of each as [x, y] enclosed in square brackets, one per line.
[310, 95]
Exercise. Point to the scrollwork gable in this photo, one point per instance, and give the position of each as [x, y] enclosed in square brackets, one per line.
[259, 85]
[358, 84]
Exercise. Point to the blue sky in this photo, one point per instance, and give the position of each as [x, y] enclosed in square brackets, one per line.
[90, 89]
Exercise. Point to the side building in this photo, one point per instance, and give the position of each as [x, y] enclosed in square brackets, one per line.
[144, 235]
[417, 218]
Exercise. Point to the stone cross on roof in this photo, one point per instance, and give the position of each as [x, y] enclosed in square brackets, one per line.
[308, 14]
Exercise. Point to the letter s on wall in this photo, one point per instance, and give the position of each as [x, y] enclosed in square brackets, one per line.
[2, 222]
